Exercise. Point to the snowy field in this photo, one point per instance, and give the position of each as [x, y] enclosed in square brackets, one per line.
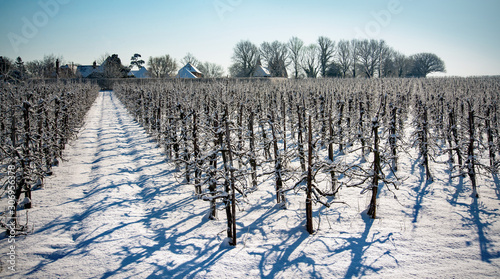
[115, 209]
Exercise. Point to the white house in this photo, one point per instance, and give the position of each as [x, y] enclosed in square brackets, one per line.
[261, 71]
[189, 71]
[141, 73]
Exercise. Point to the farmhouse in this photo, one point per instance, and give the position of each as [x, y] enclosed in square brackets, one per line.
[261, 71]
[189, 71]
[87, 71]
[141, 73]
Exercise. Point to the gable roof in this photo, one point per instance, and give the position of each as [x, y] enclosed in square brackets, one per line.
[189, 71]
[185, 73]
[192, 68]
[86, 70]
[261, 71]
[141, 73]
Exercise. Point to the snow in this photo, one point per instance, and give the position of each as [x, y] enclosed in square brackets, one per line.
[114, 208]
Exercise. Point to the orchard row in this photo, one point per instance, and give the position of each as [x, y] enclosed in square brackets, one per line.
[228, 136]
[36, 122]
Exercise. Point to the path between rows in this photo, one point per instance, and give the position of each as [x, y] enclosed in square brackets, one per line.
[102, 214]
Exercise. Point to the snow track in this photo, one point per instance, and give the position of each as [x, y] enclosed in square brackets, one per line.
[96, 216]
[114, 209]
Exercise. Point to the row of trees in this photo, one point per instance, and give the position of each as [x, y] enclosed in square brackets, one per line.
[48, 67]
[317, 137]
[51, 66]
[166, 66]
[325, 58]
[36, 122]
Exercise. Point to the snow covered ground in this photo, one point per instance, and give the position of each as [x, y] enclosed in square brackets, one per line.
[115, 209]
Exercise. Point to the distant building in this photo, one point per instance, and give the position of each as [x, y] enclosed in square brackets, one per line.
[141, 73]
[189, 71]
[261, 71]
[86, 71]
[68, 71]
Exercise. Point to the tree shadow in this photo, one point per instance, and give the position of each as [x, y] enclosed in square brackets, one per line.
[358, 246]
[420, 191]
[480, 218]
[276, 257]
[496, 180]
[484, 243]
[459, 190]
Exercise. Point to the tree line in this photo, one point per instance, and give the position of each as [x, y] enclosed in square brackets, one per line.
[326, 58]
[51, 66]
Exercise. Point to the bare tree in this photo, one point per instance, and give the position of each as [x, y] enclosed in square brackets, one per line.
[211, 70]
[190, 58]
[354, 46]
[275, 54]
[326, 51]
[245, 57]
[368, 55]
[384, 55]
[426, 63]
[102, 58]
[296, 47]
[5, 66]
[344, 56]
[162, 66]
[402, 64]
[310, 61]
[35, 68]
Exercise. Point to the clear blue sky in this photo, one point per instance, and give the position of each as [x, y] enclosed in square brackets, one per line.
[465, 34]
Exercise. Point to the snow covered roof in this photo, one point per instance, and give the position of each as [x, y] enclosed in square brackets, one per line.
[189, 71]
[261, 71]
[141, 73]
[84, 71]
[185, 73]
[192, 68]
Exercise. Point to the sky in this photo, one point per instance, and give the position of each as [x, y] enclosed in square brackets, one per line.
[465, 34]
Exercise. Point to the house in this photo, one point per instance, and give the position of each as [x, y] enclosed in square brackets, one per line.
[189, 71]
[260, 71]
[141, 73]
[85, 71]
[68, 71]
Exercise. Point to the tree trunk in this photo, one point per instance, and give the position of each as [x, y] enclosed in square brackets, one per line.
[300, 141]
[230, 187]
[196, 153]
[393, 138]
[330, 153]
[309, 219]
[471, 169]
[26, 152]
[252, 154]
[280, 197]
[372, 208]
